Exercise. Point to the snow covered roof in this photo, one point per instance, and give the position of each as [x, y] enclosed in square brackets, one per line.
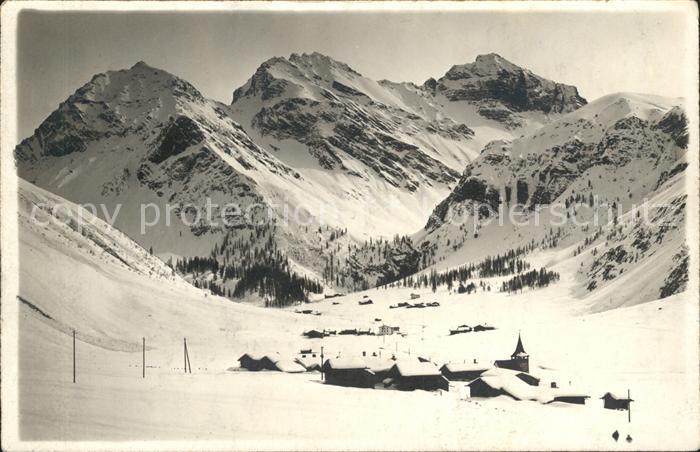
[346, 363]
[499, 371]
[511, 385]
[376, 364]
[508, 381]
[308, 361]
[289, 366]
[567, 393]
[416, 369]
[466, 367]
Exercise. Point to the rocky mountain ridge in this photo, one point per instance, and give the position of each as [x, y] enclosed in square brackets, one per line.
[308, 131]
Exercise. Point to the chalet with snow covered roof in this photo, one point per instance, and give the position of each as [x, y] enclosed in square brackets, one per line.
[496, 382]
[412, 375]
[616, 401]
[519, 360]
[349, 372]
[257, 362]
[269, 362]
[314, 334]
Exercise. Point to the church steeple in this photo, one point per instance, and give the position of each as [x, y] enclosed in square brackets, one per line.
[519, 350]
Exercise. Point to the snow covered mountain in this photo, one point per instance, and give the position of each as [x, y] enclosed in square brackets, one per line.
[504, 92]
[306, 134]
[310, 134]
[142, 136]
[147, 150]
[315, 114]
[347, 122]
[580, 182]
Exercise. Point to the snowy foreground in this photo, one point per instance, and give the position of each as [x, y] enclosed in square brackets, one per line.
[113, 303]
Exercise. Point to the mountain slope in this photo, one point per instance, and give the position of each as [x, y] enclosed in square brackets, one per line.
[77, 272]
[568, 184]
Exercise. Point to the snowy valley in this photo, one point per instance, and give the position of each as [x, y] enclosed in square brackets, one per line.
[397, 225]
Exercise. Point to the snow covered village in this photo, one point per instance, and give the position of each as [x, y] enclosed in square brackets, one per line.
[450, 227]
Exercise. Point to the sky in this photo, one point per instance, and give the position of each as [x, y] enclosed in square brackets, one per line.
[599, 53]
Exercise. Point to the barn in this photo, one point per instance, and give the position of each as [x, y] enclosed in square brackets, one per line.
[616, 401]
[258, 362]
[412, 375]
[485, 387]
[463, 371]
[272, 361]
[494, 383]
[350, 372]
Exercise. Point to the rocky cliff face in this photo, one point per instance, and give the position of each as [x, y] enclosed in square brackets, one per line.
[501, 90]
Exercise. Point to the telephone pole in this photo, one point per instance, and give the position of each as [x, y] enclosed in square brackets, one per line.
[73, 356]
[187, 357]
[629, 407]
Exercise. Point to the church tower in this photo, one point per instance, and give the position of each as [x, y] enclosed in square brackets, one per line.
[520, 357]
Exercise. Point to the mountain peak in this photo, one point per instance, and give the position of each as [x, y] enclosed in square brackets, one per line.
[492, 62]
[141, 65]
[278, 74]
[493, 78]
[319, 61]
[138, 81]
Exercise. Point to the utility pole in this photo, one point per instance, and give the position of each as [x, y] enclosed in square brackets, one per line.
[144, 357]
[73, 356]
[322, 363]
[187, 357]
[629, 407]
